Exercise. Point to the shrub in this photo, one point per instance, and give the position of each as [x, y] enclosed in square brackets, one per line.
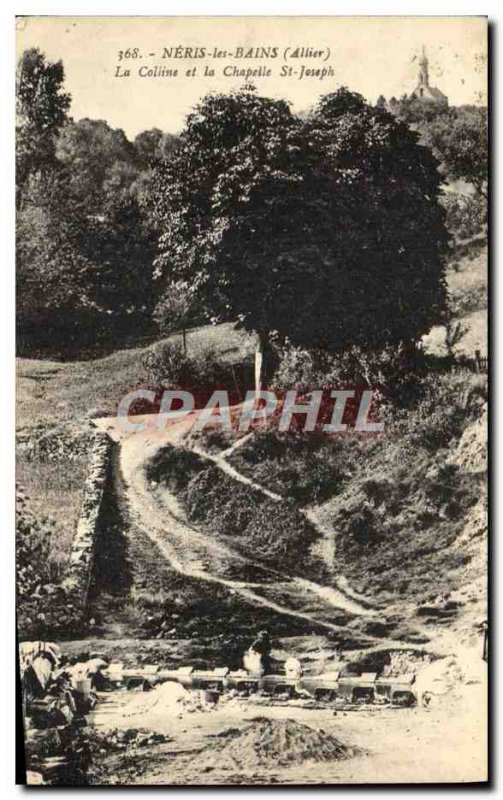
[438, 415]
[43, 608]
[264, 529]
[168, 365]
[238, 512]
[466, 214]
[174, 467]
[306, 468]
[394, 370]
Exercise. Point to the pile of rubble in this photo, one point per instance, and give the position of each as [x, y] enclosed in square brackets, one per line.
[268, 743]
[116, 741]
[58, 695]
[55, 703]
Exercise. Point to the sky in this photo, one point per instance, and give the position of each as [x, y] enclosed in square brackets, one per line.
[370, 55]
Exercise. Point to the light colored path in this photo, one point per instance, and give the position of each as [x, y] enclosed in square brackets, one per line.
[193, 553]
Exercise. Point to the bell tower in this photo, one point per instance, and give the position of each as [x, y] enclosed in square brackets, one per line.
[424, 79]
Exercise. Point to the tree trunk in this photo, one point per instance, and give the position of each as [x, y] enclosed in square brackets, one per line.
[260, 360]
[184, 340]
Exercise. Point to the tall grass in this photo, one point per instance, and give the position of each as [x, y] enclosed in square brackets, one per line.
[54, 490]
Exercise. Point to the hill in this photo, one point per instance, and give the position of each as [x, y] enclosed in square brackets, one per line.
[467, 279]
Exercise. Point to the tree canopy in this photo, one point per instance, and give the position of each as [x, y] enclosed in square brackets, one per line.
[84, 237]
[322, 229]
[326, 231]
[457, 136]
[41, 112]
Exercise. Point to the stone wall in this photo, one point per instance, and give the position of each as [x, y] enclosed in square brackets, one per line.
[81, 559]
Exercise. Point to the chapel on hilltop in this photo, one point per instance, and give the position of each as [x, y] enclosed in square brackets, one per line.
[423, 92]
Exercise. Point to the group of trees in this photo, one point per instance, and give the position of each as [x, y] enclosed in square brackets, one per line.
[324, 230]
[458, 137]
[85, 237]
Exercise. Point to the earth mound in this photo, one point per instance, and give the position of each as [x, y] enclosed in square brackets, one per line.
[270, 743]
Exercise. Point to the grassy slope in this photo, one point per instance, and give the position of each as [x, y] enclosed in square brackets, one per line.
[55, 395]
[467, 284]
[50, 393]
[54, 491]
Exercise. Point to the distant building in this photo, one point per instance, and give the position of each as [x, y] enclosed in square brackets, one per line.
[423, 90]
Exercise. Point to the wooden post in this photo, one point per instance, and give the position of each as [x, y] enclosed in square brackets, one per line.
[477, 359]
[260, 353]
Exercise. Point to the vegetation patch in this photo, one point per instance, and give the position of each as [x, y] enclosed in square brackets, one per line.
[397, 521]
[44, 608]
[269, 531]
[307, 468]
[55, 492]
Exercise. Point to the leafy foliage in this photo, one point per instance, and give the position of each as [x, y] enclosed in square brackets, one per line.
[153, 146]
[168, 365]
[177, 307]
[457, 136]
[338, 203]
[466, 215]
[41, 111]
[272, 532]
[84, 248]
[42, 606]
[305, 468]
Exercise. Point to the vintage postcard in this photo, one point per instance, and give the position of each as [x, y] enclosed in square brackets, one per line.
[252, 387]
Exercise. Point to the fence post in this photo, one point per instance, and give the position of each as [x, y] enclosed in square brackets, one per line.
[477, 360]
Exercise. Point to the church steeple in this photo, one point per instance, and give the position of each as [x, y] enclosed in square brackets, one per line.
[423, 91]
[424, 79]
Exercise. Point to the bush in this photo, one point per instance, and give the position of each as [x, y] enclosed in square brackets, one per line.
[439, 414]
[394, 370]
[174, 467]
[466, 214]
[167, 365]
[264, 529]
[269, 531]
[306, 468]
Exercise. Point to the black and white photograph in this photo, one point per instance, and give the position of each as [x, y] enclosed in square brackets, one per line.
[252, 395]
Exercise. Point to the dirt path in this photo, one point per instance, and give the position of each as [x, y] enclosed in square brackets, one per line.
[224, 465]
[197, 555]
[340, 597]
[201, 556]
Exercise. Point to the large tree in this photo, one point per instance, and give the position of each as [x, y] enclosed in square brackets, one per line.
[214, 199]
[326, 230]
[41, 112]
[385, 238]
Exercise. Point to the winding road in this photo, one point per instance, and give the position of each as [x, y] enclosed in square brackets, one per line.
[199, 554]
